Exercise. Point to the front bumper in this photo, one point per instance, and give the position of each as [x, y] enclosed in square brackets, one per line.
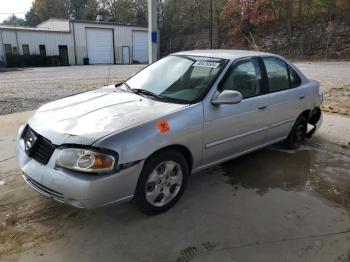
[76, 189]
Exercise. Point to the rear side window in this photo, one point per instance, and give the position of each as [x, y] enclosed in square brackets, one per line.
[295, 79]
[277, 73]
[245, 78]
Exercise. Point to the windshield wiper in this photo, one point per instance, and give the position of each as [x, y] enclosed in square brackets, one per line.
[148, 93]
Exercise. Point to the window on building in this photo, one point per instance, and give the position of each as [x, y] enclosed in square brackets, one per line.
[25, 49]
[42, 49]
[8, 49]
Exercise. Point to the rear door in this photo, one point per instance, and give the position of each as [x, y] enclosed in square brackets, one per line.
[230, 130]
[285, 98]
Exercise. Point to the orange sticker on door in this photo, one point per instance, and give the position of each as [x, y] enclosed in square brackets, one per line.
[163, 126]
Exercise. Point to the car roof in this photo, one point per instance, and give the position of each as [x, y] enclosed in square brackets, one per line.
[223, 54]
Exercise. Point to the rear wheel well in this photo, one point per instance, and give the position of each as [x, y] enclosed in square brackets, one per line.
[306, 113]
[312, 116]
[315, 116]
[180, 148]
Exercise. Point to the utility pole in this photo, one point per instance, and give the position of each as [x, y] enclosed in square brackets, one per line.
[211, 23]
[3, 48]
[153, 30]
[14, 20]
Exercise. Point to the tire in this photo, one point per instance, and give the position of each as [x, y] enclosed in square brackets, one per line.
[297, 134]
[162, 182]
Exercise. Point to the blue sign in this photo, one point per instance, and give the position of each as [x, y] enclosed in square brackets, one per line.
[155, 37]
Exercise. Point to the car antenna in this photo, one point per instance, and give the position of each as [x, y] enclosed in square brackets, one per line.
[109, 73]
[109, 67]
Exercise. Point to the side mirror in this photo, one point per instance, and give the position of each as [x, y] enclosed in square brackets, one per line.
[227, 97]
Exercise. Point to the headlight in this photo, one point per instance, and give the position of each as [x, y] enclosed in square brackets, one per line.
[86, 160]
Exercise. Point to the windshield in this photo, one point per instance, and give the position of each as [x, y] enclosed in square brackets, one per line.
[177, 78]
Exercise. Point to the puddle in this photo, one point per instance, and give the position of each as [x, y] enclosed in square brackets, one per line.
[308, 169]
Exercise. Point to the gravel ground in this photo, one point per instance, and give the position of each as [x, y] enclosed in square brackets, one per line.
[335, 82]
[27, 89]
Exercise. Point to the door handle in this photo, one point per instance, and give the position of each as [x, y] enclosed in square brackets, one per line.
[301, 97]
[261, 108]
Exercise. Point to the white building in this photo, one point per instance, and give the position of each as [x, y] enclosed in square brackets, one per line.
[73, 40]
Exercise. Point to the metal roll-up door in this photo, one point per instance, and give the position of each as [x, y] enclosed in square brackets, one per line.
[100, 45]
[140, 46]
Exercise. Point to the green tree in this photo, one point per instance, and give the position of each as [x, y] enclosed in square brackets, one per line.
[185, 24]
[31, 18]
[91, 10]
[125, 11]
[46, 9]
[330, 6]
[141, 13]
[81, 9]
[14, 21]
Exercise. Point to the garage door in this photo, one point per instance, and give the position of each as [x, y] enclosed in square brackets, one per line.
[100, 46]
[140, 46]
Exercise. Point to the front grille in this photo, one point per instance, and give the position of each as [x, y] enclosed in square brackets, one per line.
[44, 190]
[42, 149]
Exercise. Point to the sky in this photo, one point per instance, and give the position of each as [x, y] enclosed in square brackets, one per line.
[19, 7]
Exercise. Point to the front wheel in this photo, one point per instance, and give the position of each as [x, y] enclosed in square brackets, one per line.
[162, 182]
[298, 133]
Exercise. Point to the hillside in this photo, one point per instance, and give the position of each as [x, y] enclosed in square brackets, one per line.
[313, 38]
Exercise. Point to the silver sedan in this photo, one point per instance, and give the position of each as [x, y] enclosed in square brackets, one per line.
[142, 139]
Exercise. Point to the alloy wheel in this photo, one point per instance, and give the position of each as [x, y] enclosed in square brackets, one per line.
[163, 183]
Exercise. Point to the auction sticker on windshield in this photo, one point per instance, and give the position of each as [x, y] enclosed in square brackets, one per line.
[206, 64]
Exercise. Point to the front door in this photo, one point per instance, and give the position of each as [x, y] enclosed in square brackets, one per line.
[63, 53]
[230, 130]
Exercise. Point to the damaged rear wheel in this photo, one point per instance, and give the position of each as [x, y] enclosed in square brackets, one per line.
[298, 133]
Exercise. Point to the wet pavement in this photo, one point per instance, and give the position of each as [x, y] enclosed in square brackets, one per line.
[315, 171]
[270, 205]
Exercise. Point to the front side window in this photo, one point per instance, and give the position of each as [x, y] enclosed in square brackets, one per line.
[245, 78]
[42, 50]
[178, 78]
[8, 49]
[277, 73]
[25, 49]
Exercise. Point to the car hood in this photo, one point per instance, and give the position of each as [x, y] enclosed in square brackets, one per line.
[87, 117]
